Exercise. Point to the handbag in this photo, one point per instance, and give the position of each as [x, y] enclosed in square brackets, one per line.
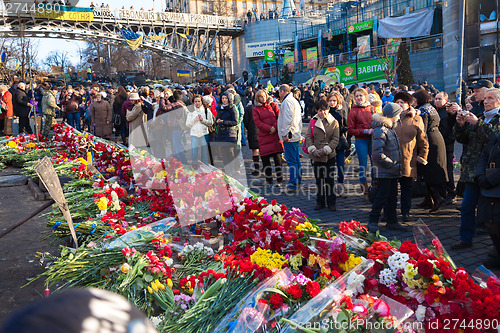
[493, 192]
[343, 144]
[209, 115]
[117, 119]
[419, 188]
[304, 146]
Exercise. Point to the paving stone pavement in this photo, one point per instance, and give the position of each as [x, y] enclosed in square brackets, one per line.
[445, 223]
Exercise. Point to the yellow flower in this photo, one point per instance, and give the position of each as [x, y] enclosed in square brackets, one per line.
[102, 204]
[150, 290]
[154, 286]
[350, 263]
[170, 283]
[125, 268]
[266, 258]
[12, 144]
[31, 145]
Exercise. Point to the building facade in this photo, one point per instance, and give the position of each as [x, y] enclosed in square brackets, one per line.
[240, 8]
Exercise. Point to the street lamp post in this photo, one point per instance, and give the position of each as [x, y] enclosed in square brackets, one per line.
[356, 50]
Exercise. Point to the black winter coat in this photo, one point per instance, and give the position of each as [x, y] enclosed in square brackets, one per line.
[341, 116]
[446, 123]
[226, 131]
[20, 103]
[252, 130]
[435, 171]
[488, 209]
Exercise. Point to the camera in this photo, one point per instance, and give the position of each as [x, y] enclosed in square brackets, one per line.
[464, 113]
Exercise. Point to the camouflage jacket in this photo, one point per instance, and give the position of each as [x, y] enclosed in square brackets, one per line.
[475, 137]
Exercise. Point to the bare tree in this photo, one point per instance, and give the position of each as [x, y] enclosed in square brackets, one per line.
[57, 58]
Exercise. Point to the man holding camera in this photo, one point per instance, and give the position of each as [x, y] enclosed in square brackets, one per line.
[474, 131]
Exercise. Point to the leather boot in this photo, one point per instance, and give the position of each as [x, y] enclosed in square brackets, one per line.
[426, 203]
[364, 187]
[438, 200]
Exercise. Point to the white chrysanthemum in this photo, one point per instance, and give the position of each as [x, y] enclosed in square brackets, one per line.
[388, 277]
[398, 261]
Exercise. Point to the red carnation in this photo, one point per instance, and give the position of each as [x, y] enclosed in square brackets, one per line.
[426, 269]
[276, 301]
[313, 288]
[295, 290]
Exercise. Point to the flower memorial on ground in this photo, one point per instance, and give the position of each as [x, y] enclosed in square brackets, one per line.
[254, 266]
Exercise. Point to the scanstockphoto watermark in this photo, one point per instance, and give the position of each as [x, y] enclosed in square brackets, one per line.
[359, 324]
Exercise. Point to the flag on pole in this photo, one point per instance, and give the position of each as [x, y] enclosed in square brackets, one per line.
[18, 64]
[133, 39]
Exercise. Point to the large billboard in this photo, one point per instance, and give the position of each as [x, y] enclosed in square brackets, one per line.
[368, 71]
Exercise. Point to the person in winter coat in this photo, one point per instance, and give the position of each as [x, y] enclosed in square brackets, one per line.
[227, 136]
[22, 108]
[359, 125]
[120, 98]
[488, 207]
[252, 135]
[73, 111]
[414, 148]
[137, 121]
[7, 109]
[446, 123]
[265, 116]
[387, 165]
[101, 116]
[435, 172]
[289, 131]
[197, 122]
[240, 112]
[322, 138]
[336, 103]
[475, 132]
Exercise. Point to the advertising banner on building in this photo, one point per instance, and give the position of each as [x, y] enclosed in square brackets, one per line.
[312, 57]
[254, 50]
[360, 27]
[393, 45]
[363, 47]
[269, 55]
[289, 60]
[368, 71]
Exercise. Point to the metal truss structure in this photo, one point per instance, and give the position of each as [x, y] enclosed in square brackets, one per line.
[190, 38]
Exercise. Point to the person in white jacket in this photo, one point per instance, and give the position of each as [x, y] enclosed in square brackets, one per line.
[197, 122]
[289, 131]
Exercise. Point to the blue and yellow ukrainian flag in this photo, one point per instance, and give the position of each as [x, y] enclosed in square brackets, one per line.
[133, 39]
[3, 56]
[18, 64]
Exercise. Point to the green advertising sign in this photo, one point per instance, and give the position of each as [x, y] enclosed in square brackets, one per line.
[368, 71]
[360, 27]
[268, 55]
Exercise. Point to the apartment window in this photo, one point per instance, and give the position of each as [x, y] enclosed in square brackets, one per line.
[254, 5]
[244, 5]
[234, 5]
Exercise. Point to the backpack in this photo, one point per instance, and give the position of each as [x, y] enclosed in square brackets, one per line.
[304, 146]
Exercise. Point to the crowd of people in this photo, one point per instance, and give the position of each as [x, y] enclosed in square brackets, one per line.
[402, 137]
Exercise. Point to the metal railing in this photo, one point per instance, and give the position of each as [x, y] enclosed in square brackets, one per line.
[102, 13]
[354, 15]
[414, 46]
